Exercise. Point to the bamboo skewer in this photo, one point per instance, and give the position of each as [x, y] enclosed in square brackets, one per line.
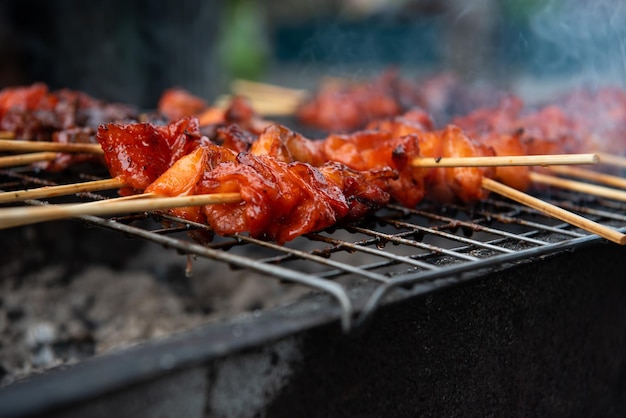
[614, 160]
[264, 106]
[554, 211]
[12, 217]
[25, 159]
[268, 99]
[579, 186]
[115, 200]
[61, 190]
[13, 145]
[518, 160]
[244, 87]
[7, 134]
[590, 175]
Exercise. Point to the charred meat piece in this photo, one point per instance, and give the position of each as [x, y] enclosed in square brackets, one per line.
[375, 150]
[34, 113]
[139, 153]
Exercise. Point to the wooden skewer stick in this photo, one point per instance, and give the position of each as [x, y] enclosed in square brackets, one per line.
[115, 200]
[12, 217]
[264, 106]
[519, 160]
[7, 134]
[61, 190]
[25, 159]
[590, 175]
[12, 145]
[579, 186]
[554, 211]
[268, 99]
[245, 87]
[614, 160]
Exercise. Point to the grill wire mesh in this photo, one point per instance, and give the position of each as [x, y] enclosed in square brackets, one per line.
[421, 249]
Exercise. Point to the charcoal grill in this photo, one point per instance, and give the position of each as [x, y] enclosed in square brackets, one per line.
[358, 273]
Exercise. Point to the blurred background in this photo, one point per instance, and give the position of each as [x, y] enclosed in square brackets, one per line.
[132, 50]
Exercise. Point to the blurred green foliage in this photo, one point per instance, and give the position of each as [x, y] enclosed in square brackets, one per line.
[243, 48]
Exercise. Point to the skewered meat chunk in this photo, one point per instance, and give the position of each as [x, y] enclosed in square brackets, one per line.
[181, 180]
[65, 160]
[176, 103]
[281, 200]
[446, 96]
[239, 112]
[372, 150]
[286, 145]
[140, 153]
[66, 116]
[343, 107]
[26, 98]
[28, 112]
[581, 121]
[365, 190]
[516, 177]
[234, 138]
[464, 183]
[339, 108]
[32, 112]
[413, 121]
[382, 148]
[360, 188]
[502, 118]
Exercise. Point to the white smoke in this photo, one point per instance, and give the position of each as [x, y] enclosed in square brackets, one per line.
[583, 37]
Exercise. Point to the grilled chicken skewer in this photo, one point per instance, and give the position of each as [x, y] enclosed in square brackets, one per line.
[395, 153]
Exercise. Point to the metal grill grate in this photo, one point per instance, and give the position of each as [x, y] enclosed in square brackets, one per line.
[425, 248]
